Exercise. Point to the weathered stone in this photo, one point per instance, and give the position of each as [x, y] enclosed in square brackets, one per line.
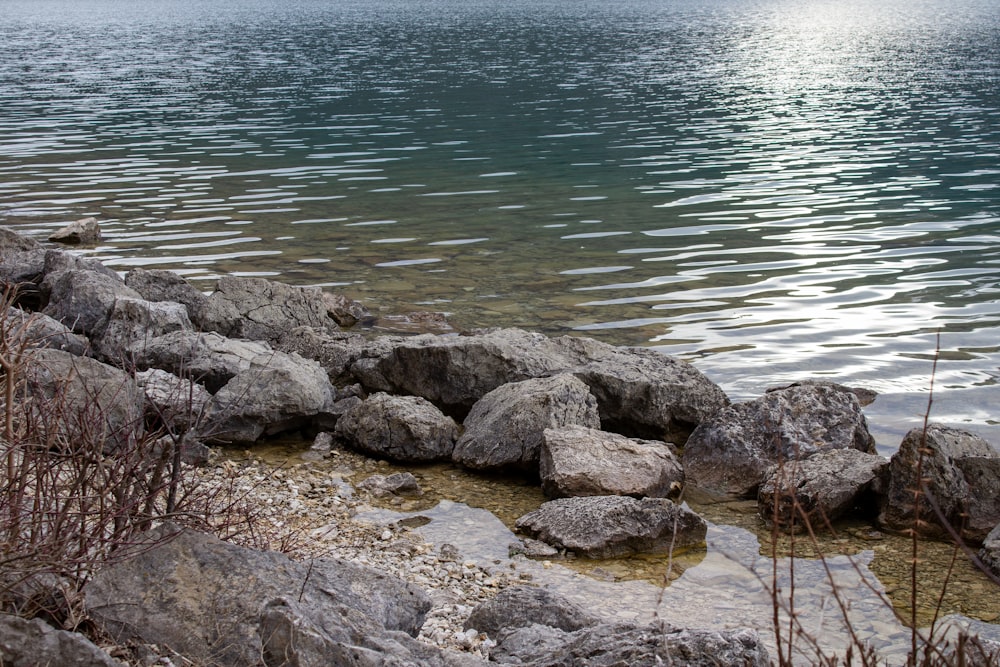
[279, 392]
[990, 553]
[11, 241]
[291, 638]
[208, 358]
[613, 526]
[160, 285]
[86, 231]
[505, 427]
[259, 309]
[401, 428]
[646, 394]
[132, 322]
[83, 299]
[396, 484]
[579, 461]
[454, 372]
[203, 598]
[335, 351]
[734, 451]
[615, 645]
[40, 330]
[961, 472]
[103, 407]
[35, 643]
[521, 606]
[821, 488]
[865, 396]
[177, 403]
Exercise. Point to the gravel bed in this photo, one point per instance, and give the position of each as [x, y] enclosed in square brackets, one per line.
[308, 509]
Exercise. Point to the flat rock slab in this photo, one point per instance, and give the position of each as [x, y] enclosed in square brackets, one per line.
[615, 645]
[613, 526]
[578, 461]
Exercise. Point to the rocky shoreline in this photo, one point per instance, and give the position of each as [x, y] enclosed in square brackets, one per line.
[613, 436]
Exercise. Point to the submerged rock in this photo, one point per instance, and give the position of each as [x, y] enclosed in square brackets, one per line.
[735, 451]
[521, 606]
[613, 526]
[614, 645]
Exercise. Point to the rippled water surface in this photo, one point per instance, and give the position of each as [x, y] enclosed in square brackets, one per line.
[772, 189]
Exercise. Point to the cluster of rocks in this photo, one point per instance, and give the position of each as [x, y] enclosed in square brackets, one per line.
[612, 434]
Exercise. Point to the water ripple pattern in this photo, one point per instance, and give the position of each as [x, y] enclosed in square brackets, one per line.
[772, 189]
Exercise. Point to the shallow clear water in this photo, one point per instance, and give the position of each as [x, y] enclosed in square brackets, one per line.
[770, 189]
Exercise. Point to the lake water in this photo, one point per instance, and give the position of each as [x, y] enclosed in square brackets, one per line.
[771, 189]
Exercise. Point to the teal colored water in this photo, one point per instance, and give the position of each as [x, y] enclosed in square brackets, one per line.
[771, 189]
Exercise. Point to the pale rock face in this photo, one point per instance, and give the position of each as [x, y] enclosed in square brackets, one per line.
[578, 461]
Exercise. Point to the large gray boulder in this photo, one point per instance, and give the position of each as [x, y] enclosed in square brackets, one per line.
[646, 394]
[204, 598]
[616, 645]
[278, 392]
[160, 285]
[400, 428]
[735, 451]
[40, 330]
[260, 309]
[208, 358]
[132, 322]
[33, 643]
[613, 526]
[454, 372]
[580, 461]
[81, 402]
[505, 427]
[990, 553]
[822, 488]
[961, 473]
[83, 299]
[521, 606]
[179, 404]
